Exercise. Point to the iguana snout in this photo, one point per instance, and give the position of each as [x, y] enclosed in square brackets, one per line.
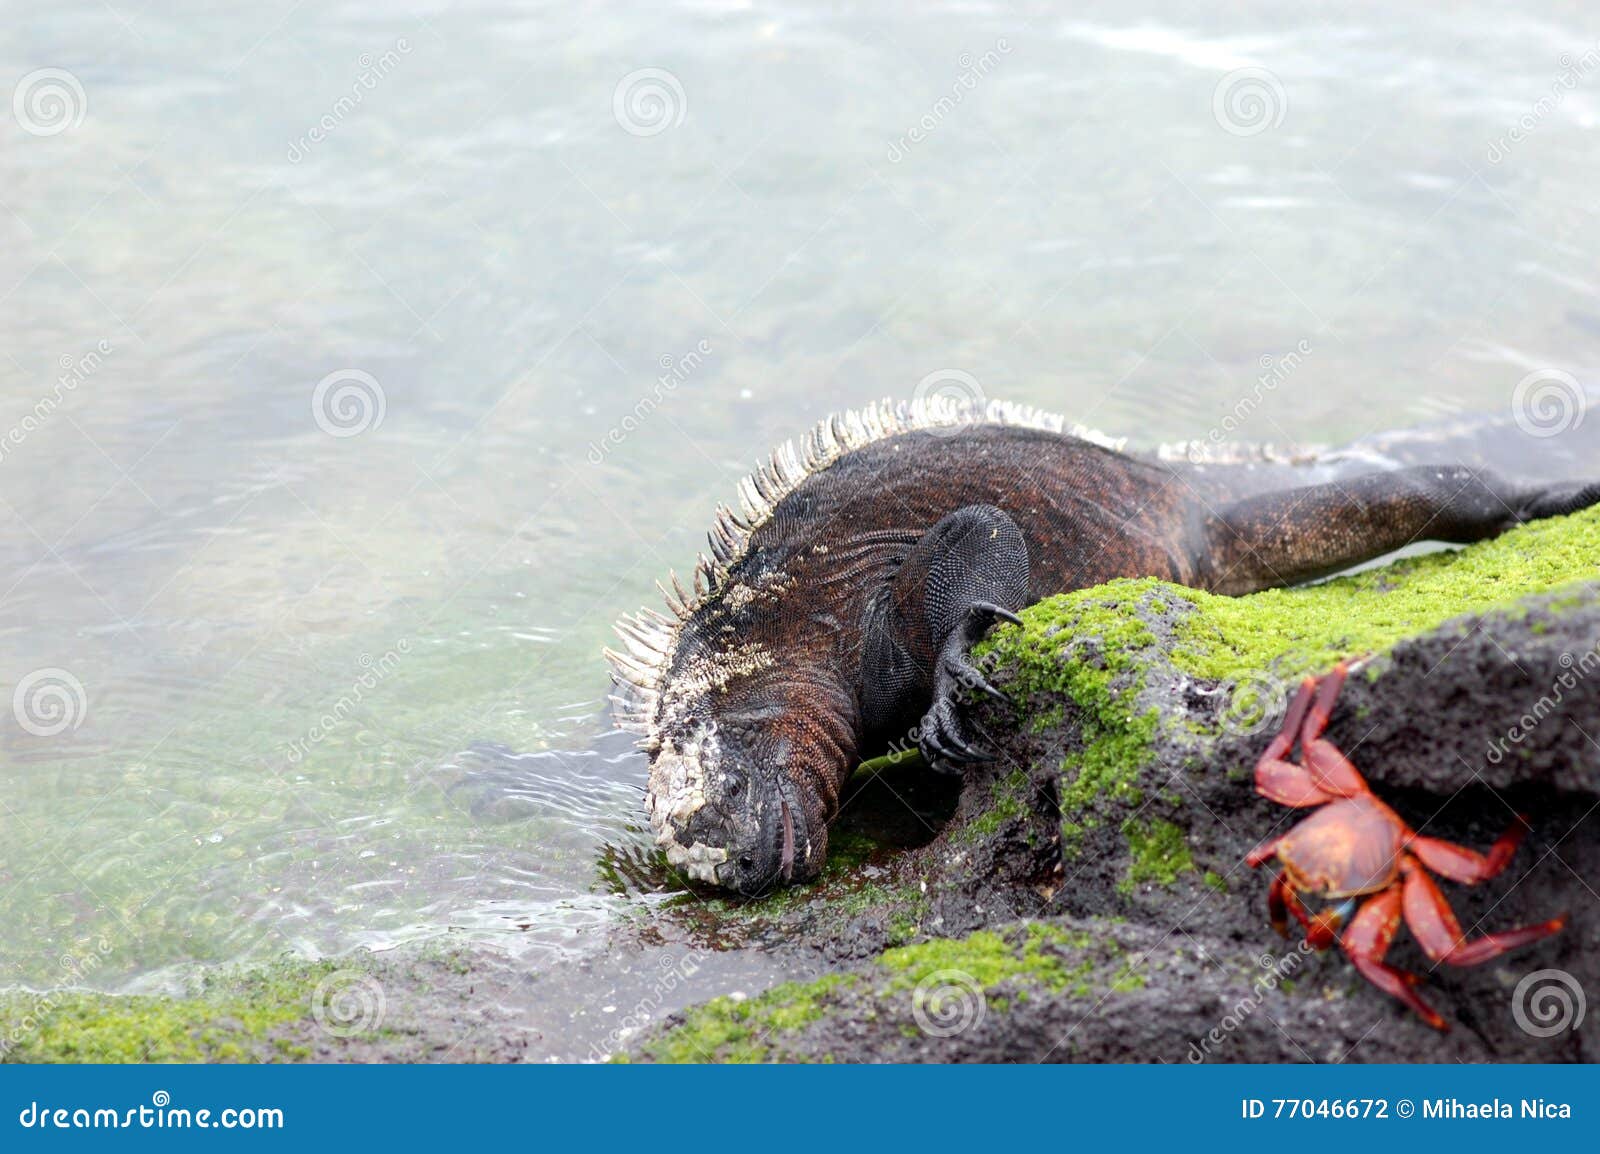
[727, 816]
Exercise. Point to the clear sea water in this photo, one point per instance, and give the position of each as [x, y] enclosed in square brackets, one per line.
[361, 363]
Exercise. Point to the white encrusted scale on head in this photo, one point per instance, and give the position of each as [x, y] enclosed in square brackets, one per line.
[649, 638]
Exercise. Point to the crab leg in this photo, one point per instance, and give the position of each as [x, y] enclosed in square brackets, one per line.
[1468, 866]
[1264, 852]
[1366, 944]
[1330, 769]
[1283, 901]
[1436, 929]
[1301, 786]
[1289, 784]
[1284, 741]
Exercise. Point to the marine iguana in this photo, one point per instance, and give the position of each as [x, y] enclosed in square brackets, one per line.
[838, 608]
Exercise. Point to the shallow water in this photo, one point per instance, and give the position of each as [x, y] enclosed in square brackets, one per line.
[275, 688]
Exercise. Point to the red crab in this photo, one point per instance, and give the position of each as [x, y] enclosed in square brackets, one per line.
[1355, 849]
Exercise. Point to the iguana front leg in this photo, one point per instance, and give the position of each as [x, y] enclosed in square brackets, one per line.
[968, 571]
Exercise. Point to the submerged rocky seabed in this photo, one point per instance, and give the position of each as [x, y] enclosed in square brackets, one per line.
[1087, 898]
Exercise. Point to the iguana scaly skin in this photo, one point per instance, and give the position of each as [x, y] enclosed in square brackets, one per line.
[839, 605]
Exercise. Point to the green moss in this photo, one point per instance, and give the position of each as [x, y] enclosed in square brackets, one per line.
[1083, 646]
[1216, 881]
[1008, 967]
[233, 1017]
[1308, 629]
[1158, 853]
[743, 1029]
[1042, 957]
[1010, 799]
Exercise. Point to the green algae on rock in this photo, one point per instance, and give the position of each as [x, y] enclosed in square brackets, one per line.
[907, 984]
[241, 1017]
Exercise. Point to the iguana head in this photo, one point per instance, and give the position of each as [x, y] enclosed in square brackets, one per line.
[750, 731]
[746, 755]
